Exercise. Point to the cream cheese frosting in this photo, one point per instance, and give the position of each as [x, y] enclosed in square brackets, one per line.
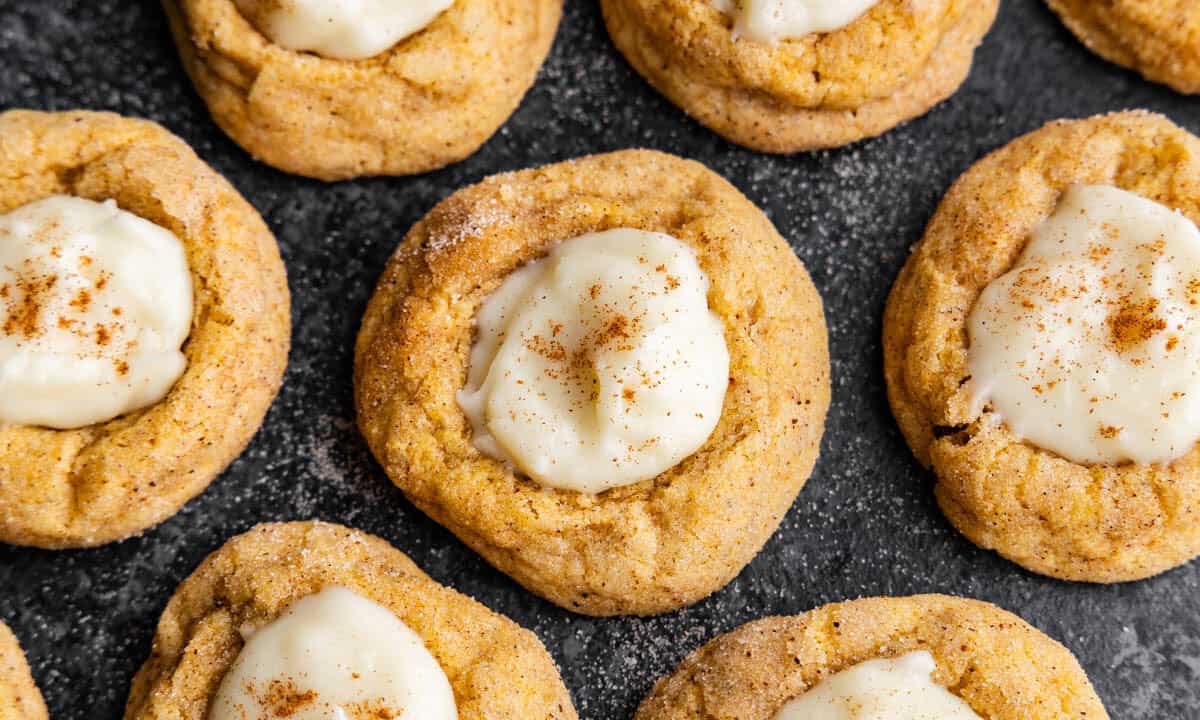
[900, 688]
[334, 655]
[341, 29]
[770, 21]
[1088, 347]
[95, 304]
[600, 365]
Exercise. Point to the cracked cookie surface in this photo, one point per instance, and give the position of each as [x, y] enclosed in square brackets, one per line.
[1098, 523]
[106, 482]
[19, 696]
[496, 669]
[1158, 38]
[648, 547]
[822, 90]
[430, 100]
[1004, 668]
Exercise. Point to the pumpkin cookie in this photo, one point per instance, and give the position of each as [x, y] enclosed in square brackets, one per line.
[921, 656]
[335, 90]
[1040, 349]
[607, 376]
[1158, 38]
[281, 622]
[143, 326]
[816, 74]
[19, 696]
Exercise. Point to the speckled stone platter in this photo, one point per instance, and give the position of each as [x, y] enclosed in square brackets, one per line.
[866, 523]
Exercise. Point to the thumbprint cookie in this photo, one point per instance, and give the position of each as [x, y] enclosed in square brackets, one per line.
[334, 90]
[1040, 349]
[782, 76]
[911, 658]
[309, 620]
[144, 326]
[607, 376]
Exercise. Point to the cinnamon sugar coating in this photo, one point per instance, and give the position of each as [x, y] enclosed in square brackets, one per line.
[106, 482]
[822, 90]
[1001, 666]
[497, 669]
[430, 100]
[644, 548]
[1097, 523]
[1158, 38]
[19, 696]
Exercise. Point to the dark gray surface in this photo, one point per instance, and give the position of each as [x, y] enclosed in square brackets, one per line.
[866, 524]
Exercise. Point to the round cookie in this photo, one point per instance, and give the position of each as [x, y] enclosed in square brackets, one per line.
[1158, 38]
[889, 66]
[19, 696]
[1098, 523]
[106, 482]
[430, 100]
[1001, 666]
[497, 669]
[648, 547]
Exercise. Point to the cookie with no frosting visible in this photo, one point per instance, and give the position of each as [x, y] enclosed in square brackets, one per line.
[853, 70]
[989, 659]
[1077, 457]
[1158, 38]
[19, 696]
[597, 534]
[220, 621]
[389, 89]
[72, 475]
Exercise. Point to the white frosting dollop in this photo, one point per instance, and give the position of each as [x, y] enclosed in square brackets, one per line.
[335, 655]
[341, 29]
[770, 21]
[95, 303]
[1088, 347]
[885, 689]
[600, 365]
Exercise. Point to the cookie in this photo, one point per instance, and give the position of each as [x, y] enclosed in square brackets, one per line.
[430, 100]
[496, 669]
[19, 696]
[1158, 38]
[109, 480]
[823, 89]
[645, 546]
[1001, 666]
[1054, 511]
